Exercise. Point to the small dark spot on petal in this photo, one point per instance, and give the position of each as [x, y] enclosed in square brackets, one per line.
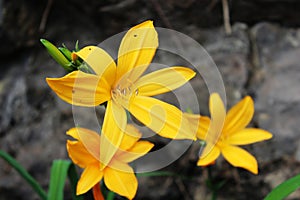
[90, 49]
[73, 91]
[135, 35]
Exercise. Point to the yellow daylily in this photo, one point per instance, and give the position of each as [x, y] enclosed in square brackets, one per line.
[225, 131]
[118, 176]
[123, 87]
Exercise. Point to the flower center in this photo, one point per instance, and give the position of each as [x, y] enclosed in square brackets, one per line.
[122, 93]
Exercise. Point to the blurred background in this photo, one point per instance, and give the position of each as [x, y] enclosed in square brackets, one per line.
[257, 50]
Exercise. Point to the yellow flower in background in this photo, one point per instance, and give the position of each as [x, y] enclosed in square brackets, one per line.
[118, 176]
[227, 131]
[123, 87]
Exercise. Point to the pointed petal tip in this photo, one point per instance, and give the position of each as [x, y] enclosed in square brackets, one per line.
[89, 178]
[73, 132]
[80, 190]
[49, 80]
[266, 134]
[148, 23]
[249, 102]
[239, 157]
[215, 95]
[254, 171]
[270, 135]
[201, 163]
[85, 51]
[248, 98]
[249, 136]
[209, 156]
[215, 100]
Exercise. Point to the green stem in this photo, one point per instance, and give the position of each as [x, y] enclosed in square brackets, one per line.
[18, 167]
[110, 195]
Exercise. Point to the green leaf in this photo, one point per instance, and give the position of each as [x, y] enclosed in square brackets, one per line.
[59, 171]
[284, 189]
[20, 169]
[77, 46]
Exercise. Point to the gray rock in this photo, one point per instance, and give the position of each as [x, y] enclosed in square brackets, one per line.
[30, 129]
[222, 58]
[276, 86]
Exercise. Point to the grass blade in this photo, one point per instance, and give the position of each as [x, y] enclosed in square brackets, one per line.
[284, 189]
[22, 171]
[59, 171]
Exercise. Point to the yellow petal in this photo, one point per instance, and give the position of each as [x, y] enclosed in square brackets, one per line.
[208, 158]
[116, 164]
[137, 50]
[73, 132]
[163, 118]
[89, 138]
[81, 89]
[218, 115]
[163, 80]
[131, 136]
[212, 129]
[198, 123]
[201, 122]
[100, 61]
[113, 129]
[238, 157]
[90, 177]
[137, 151]
[248, 136]
[79, 154]
[122, 183]
[239, 116]
[204, 125]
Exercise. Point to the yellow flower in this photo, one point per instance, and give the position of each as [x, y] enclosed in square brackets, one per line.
[123, 88]
[225, 132]
[118, 176]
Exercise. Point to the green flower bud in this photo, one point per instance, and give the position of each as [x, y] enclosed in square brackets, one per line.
[67, 53]
[57, 55]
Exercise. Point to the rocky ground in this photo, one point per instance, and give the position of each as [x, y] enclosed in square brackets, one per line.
[260, 58]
